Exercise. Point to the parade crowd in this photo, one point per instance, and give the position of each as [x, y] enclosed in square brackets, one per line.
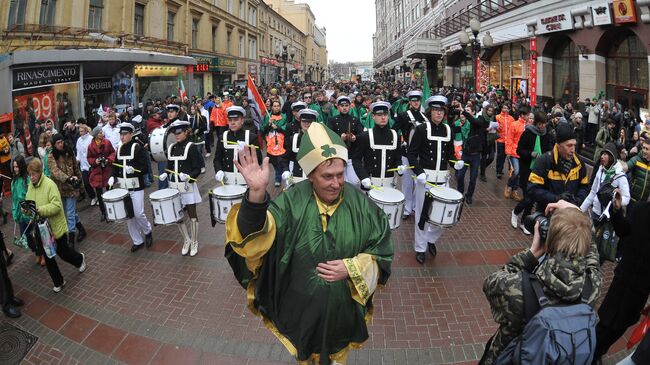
[381, 138]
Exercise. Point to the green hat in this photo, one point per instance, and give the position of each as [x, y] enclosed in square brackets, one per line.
[318, 145]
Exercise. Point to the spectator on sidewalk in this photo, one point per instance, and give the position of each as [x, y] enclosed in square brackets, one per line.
[604, 136]
[19, 186]
[45, 193]
[515, 130]
[82, 157]
[639, 169]
[101, 156]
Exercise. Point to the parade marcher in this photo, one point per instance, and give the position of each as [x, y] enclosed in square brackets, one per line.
[83, 142]
[533, 143]
[348, 127]
[405, 123]
[132, 156]
[67, 176]
[101, 156]
[45, 194]
[294, 126]
[639, 169]
[294, 173]
[571, 259]
[312, 258]
[186, 162]
[228, 145]
[559, 174]
[273, 129]
[429, 150]
[377, 150]
[515, 131]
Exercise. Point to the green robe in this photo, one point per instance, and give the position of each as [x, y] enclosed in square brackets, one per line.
[316, 107]
[310, 316]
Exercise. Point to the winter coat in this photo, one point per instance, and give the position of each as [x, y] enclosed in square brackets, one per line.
[639, 170]
[619, 180]
[515, 131]
[562, 279]
[18, 191]
[63, 165]
[504, 120]
[99, 175]
[49, 204]
[603, 137]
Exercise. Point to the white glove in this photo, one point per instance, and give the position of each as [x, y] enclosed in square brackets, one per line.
[111, 181]
[219, 175]
[401, 169]
[286, 175]
[129, 169]
[459, 165]
[366, 183]
[183, 176]
[421, 179]
[162, 176]
[242, 145]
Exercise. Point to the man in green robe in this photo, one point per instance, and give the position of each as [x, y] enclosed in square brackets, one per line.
[312, 258]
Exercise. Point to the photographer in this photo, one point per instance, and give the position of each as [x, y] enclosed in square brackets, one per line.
[570, 259]
[67, 176]
[630, 286]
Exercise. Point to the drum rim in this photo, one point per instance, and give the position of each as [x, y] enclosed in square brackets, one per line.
[385, 202]
[177, 193]
[432, 190]
[212, 191]
[114, 199]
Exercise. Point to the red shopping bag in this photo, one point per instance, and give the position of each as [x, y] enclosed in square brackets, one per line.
[640, 330]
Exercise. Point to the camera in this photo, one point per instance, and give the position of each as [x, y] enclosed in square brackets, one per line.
[544, 222]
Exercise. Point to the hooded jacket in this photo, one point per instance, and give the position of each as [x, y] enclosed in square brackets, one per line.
[562, 279]
[617, 178]
[63, 165]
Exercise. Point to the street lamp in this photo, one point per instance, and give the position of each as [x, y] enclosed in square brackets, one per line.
[465, 40]
[285, 52]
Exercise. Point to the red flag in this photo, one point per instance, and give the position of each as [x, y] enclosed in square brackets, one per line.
[255, 96]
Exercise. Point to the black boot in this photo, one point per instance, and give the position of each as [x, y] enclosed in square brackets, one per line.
[82, 232]
[11, 311]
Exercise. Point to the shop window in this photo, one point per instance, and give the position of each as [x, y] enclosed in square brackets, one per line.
[627, 63]
[138, 23]
[507, 62]
[16, 12]
[95, 14]
[170, 26]
[48, 10]
[195, 33]
[566, 83]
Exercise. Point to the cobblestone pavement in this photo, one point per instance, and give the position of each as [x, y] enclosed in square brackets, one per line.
[157, 307]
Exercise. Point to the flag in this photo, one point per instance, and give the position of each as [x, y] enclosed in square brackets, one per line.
[426, 90]
[256, 99]
[181, 88]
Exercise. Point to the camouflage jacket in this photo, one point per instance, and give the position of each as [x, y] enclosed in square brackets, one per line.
[562, 279]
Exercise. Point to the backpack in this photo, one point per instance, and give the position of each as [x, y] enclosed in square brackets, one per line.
[561, 334]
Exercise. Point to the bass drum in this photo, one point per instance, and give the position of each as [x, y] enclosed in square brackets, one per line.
[159, 140]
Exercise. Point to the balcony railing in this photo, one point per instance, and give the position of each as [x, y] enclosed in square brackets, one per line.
[37, 36]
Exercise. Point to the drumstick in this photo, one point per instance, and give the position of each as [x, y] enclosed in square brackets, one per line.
[428, 183]
[454, 161]
[122, 166]
[5, 176]
[248, 145]
[397, 168]
[175, 173]
[376, 188]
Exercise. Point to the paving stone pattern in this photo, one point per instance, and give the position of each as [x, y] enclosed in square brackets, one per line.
[157, 307]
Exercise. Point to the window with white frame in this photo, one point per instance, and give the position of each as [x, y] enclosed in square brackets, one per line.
[95, 14]
[195, 33]
[48, 10]
[252, 48]
[17, 12]
[170, 25]
[242, 50]
[138, 21]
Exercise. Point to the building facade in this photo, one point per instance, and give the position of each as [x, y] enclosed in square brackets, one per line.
[552, 50]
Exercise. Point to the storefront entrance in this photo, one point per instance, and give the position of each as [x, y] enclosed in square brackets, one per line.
[633, 99]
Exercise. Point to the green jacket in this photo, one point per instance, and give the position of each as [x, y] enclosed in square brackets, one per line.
[640, 182]
[18, 191]
[265, 127]
[49, 204]
[316, 107]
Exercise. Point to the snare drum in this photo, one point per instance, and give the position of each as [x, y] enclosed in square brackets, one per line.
[166, 206]
[446, 207]
[118, 205]
[391, 201]
[222, 198]
[159, 141]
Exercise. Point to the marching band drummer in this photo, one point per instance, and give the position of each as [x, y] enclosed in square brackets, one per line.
[377, 150]
[292, 145]
[184, 158]
[133, 159]
[228, 146]
[348, 127]
[294, 126]
[429, 150]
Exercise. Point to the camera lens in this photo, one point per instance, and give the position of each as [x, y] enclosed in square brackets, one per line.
[530, 220]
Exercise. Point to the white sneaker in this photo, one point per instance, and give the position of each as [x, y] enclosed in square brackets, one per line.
[58, 288]
[186, 248]
[203, 170]
[82, 268]
[93, 201]
[207, 154]
[195, 248]
[523, 228]
[277, 183]
[514, 220]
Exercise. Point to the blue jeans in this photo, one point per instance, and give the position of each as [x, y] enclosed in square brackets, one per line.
[148, 177]
[501, 157]
[474, 162]
[513, 181]
[161, 169]
[70, 208]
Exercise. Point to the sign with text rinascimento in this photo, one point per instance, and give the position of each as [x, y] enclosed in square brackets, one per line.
[26, 78]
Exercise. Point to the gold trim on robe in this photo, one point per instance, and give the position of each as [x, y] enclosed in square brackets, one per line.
[364, 274]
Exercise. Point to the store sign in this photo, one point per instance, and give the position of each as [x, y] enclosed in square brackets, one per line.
[268, 61]
[26, 78]
[600, 14]
[102, 85]
[555, 23]
[533, 71]
[43, 104]
[624, 11]
[252, 69]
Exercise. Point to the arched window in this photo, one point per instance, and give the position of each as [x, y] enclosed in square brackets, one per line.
[627, 63]
[566, 82]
